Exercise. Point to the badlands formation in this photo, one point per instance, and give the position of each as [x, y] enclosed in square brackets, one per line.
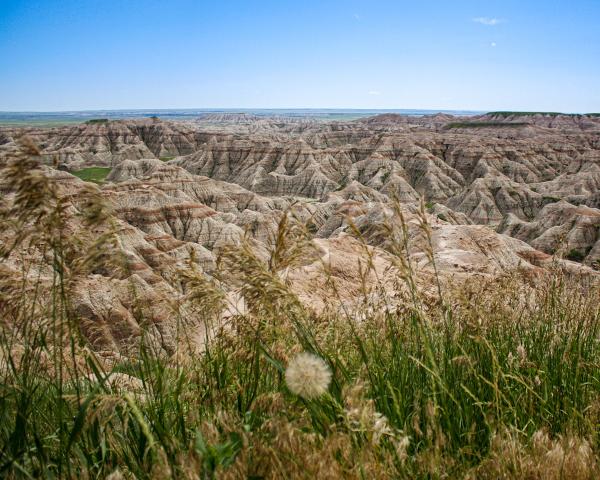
[481, 196]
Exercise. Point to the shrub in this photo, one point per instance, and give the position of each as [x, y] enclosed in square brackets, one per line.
[575, 255]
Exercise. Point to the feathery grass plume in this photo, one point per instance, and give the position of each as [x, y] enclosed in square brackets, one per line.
[205, 294]
[289, 243]
[116, 475]
[565, 456]
[402, 445]
[308, 376]
[362, 418]
[381, 427]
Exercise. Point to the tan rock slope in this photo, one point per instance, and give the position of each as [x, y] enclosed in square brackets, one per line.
[480, 196]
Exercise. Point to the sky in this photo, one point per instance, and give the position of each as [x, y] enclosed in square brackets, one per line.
[530, 55]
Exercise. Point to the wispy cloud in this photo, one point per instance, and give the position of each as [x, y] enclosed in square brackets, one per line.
[487, 21]
[374, 92]
[356, 16]
[493, 44]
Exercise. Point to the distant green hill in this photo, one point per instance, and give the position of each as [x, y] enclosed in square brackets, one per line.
[485, 124]
[547, 114]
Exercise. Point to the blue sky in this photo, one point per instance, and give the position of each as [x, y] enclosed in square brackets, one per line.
[481, 55]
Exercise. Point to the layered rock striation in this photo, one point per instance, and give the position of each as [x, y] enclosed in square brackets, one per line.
[477, 197]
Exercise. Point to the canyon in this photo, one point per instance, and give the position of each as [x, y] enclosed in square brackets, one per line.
[472, 198]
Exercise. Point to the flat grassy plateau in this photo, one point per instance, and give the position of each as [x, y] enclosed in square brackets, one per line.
[92, 174]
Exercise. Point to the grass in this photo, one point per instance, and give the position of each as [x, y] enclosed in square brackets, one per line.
[97, 121]
[486, 379]
[485, 124]
[166, 158]
[528, 114]
[546, 114]
[37, 122]
[92, 174]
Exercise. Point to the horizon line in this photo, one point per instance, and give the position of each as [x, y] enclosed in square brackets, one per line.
[240, 108]
[332, 109]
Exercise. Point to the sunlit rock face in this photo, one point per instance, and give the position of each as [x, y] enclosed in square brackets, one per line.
[498, 194]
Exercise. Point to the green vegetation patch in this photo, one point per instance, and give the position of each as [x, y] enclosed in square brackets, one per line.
[95, 121]
[528, 114]
[92, 174]
[485, 124]
[575, 255]
[578, 255]
[545, 114]
[167, 158]
[485, 381]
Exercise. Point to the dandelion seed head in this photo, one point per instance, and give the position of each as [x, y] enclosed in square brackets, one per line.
[308, 376]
